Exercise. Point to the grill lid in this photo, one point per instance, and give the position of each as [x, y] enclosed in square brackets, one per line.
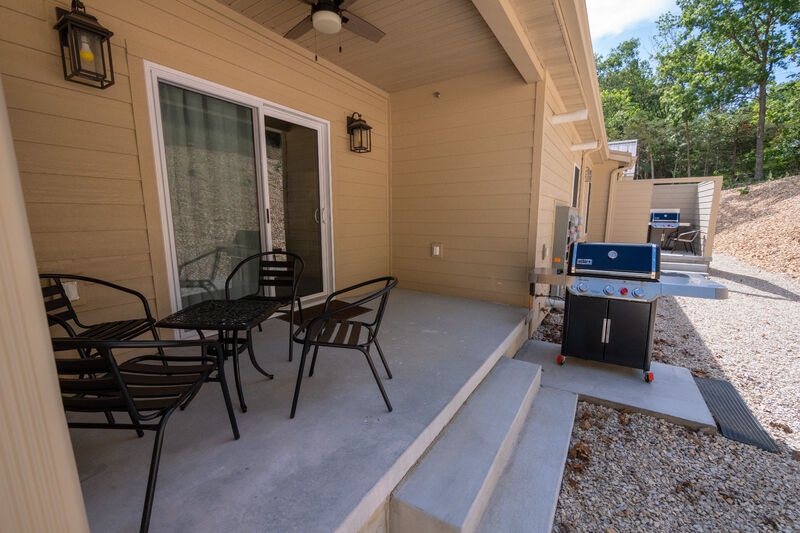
[615, 260]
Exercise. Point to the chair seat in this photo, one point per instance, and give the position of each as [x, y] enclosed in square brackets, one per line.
[120, 329]
[340, 333]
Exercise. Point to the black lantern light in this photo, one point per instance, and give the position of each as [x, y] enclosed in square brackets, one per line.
[360, 134]
[85, 47]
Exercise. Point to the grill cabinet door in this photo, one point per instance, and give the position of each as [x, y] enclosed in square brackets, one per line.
[631, 333]
[584, 321]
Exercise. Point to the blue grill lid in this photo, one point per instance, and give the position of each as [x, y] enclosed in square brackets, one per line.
[617, 260]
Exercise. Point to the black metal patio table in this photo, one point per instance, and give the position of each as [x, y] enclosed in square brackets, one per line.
[228, 318]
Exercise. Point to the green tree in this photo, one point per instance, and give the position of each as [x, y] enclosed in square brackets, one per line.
[732, 49]
[631, 101]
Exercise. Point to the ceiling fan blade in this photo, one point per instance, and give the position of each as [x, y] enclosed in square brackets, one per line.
[300, 28]
[361, 27]
[344, 4]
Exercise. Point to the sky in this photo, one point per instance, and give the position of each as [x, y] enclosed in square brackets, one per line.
[614, 21]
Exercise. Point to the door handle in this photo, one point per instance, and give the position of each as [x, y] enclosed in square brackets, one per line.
[316, 215]
[606, 331]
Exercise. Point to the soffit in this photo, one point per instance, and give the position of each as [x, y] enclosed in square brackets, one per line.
[562, 49]
[426, 41]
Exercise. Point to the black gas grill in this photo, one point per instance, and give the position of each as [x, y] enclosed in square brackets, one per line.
[610, 305]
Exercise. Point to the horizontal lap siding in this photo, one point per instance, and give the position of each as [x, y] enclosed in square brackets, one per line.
[558, 164]
[87, 171]
[461, 176]
[631, 211]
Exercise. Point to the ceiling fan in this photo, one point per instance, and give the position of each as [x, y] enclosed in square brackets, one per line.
[330, 16]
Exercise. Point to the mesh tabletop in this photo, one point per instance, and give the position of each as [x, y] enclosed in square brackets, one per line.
[220, 315]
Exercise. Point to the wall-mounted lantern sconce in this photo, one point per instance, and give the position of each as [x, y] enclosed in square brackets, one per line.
[360, 134]
[85, 47]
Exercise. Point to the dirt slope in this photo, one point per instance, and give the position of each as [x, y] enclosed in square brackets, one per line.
[762, 227]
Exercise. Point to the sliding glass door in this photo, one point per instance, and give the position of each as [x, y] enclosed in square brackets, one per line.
[238, 175]
[214, 199]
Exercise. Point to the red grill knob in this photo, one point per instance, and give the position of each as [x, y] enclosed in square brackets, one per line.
[624, 291]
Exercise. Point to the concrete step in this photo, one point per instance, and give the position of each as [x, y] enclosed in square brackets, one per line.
[450, 487]
[527, 494]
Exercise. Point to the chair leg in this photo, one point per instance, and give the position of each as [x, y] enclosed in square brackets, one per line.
[299, 379]
[383, 359]
[313, 361]
[236, 374]
[226, 394]
[377, 379]
[151, 478]
[253, 356]
[291, 332]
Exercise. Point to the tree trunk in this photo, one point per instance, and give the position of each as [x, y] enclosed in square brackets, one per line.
[762, 115]
[688, 152]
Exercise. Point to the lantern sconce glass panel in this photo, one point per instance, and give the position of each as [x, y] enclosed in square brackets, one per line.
[360, 134]
[85, 47]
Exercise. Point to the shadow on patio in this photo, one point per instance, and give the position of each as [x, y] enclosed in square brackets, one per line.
[334, 465]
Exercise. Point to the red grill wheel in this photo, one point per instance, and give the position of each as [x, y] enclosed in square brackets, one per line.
[560, 359]
[649, 377]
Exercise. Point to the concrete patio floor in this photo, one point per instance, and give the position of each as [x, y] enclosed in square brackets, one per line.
[334, 466]
[331, 467]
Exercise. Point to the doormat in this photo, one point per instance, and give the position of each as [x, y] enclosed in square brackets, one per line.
[314, 310]
[733, 417]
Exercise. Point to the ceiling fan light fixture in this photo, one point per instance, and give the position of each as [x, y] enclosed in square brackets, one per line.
[326, 20]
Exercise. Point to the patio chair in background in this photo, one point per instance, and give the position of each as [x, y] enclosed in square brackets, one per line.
[144, 387]
[273, 276]
[60, 311]
[687, 240]
[330, 329]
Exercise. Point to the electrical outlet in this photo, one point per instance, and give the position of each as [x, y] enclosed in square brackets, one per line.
[436, 249]
[71, 289]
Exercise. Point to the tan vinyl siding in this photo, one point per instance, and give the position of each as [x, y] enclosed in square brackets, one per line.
[705, 209]
[85, 155]
[558, 165]
[598, 208]
[631, 211]
[681, 196]
[461, 174]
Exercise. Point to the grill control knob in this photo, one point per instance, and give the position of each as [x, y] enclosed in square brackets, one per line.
[608, 289]
[582, 287]
[638, 292]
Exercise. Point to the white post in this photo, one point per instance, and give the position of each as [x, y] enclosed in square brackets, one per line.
[39, 485]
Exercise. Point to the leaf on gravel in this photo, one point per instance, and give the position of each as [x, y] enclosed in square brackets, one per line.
[784, 427]
[684, 486]
[579, 451]
[585, 424]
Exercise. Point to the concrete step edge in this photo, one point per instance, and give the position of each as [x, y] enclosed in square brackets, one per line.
[526, 496]
[451, 485]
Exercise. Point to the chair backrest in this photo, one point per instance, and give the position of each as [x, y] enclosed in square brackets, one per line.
[273, 273]
[98, 384]
[688, 236]
[92, 384]
[379, 289]
[57, 304]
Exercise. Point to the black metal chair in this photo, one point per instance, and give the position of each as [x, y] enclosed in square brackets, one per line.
[687, 240]
[277, 276]
[144, 387]
[60, 311]
[331, 329]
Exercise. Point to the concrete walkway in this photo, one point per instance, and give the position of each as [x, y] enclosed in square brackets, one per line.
[673, 395]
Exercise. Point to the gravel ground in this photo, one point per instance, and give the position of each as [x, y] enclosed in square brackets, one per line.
[631, 472]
